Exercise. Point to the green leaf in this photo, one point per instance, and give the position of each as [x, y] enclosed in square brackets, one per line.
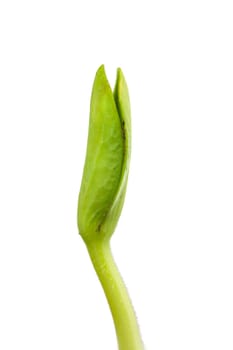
[106, 166]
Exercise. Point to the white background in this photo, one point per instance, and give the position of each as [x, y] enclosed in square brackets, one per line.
[173, 244]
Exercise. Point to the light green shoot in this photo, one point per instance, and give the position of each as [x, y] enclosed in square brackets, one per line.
[102, 196]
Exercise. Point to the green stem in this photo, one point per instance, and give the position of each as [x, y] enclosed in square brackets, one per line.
[123, 314]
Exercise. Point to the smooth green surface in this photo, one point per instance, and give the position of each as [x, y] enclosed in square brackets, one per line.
[126, 326]
[102, 196]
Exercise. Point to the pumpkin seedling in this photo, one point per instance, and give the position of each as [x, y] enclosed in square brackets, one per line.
[102, 196]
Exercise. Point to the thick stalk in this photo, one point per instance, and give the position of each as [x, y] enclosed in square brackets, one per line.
[127, 330]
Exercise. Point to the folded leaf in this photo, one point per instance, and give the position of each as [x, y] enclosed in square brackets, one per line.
[106, 166]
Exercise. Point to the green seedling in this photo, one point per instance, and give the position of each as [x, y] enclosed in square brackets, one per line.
[102, 196]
